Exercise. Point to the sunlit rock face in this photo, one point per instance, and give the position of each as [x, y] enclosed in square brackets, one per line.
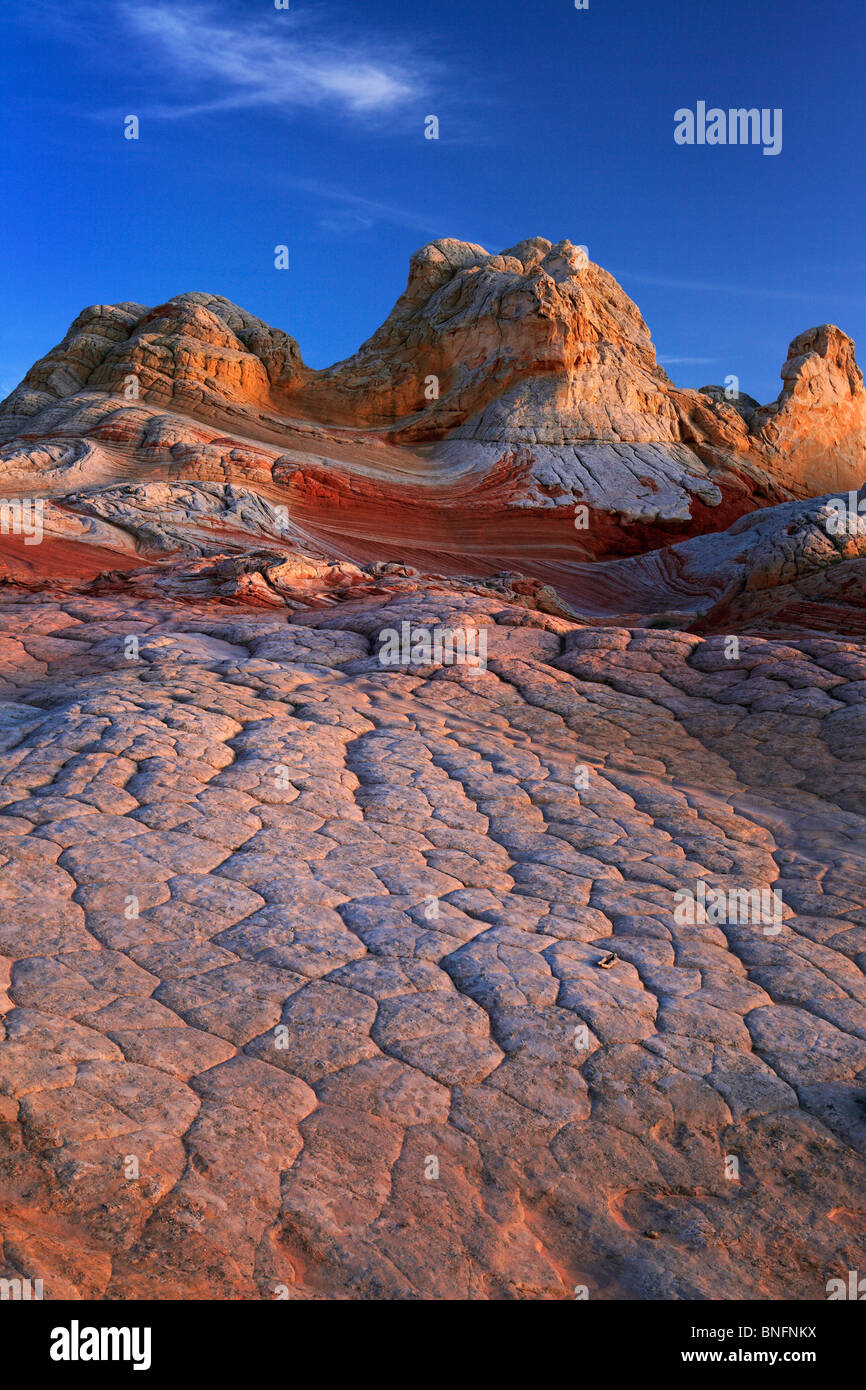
[431, 806]
[817, 427]
[499, 387]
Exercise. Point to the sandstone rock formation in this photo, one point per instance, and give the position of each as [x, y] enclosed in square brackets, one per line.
[817, 427]
[502, 392]
[324, 977]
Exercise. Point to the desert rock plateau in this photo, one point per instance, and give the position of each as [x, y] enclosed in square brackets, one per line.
[327, 977]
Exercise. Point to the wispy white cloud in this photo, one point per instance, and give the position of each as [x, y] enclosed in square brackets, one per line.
[687, 361]
[287, 62]
[366, 211]
[720, 287]
[343, 224]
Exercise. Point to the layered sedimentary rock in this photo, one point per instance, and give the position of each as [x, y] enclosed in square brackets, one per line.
[324, 975]
[502, 393]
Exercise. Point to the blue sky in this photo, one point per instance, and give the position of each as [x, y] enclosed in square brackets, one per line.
[305, 127]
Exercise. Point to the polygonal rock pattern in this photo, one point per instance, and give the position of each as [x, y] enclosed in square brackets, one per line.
[304, 976]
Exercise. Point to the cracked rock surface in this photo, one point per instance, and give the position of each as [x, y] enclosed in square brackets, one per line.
[301, 982]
